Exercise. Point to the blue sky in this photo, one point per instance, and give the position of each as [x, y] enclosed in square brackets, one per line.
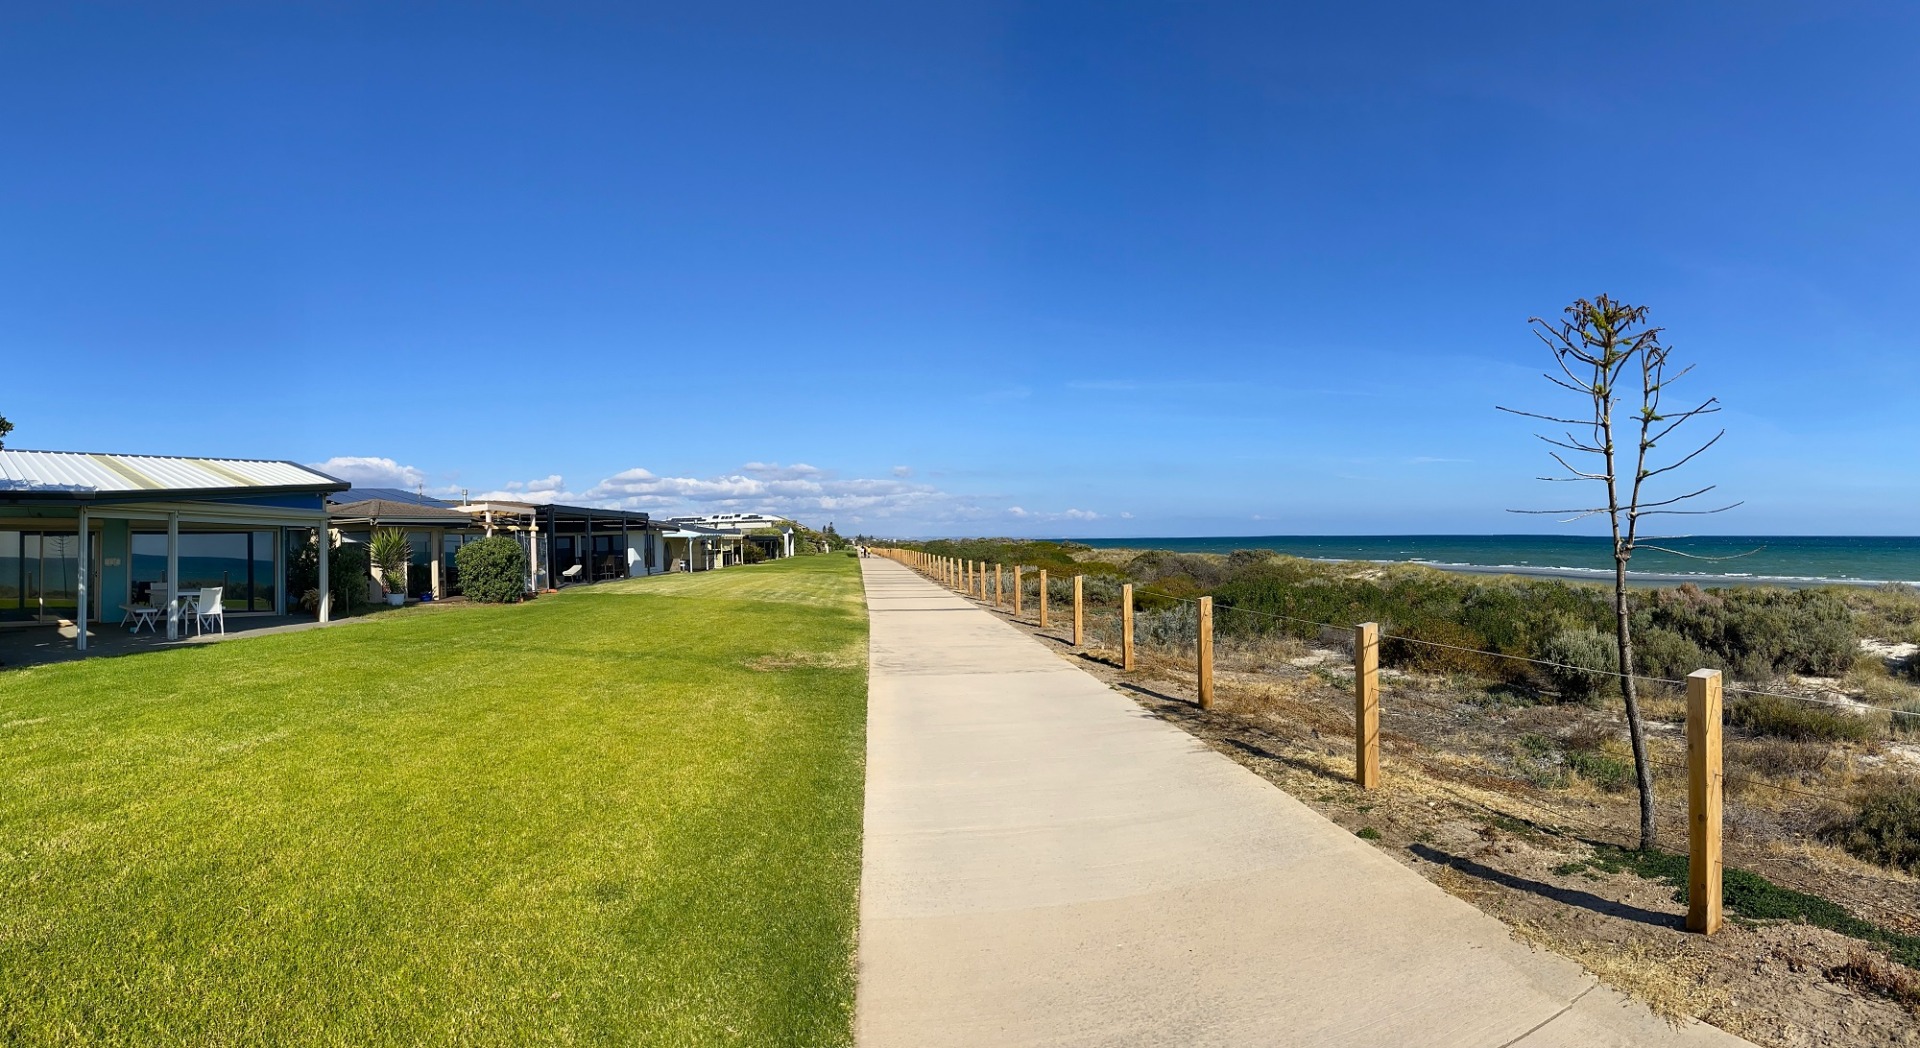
[1047, 269]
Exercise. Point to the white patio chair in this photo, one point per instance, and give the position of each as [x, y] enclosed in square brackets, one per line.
[572, 575]
[208, 609]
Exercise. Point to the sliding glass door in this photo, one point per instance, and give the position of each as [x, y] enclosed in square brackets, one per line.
[39, 576]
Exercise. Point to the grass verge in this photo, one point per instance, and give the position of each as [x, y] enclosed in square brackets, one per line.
[623, 814]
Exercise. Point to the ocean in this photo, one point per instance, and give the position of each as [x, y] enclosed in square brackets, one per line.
[1796, 560]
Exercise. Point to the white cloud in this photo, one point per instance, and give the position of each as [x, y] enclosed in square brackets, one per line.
[369, 472]
[800, 491]
[1019, 513]
[775, 471]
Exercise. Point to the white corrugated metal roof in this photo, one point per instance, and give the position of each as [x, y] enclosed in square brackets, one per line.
[79, 471]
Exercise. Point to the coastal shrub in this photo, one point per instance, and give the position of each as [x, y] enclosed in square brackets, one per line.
[1890, 612]
[1173, 627]
[1194, 570]
[1586, 661]
[492, 570]
[1906, 719]
[1886, 828]
[1663, 653]
[1779, 759]
[1757, 632]
[1438, 645]
[1785, 718]
[1101, 590]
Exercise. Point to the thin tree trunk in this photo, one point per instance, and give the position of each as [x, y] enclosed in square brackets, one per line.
[1636, 730]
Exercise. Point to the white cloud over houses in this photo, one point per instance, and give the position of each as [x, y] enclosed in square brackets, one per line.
[369, 472]
[799, 490]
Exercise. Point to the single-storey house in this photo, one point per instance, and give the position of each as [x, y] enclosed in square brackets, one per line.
[82, 534]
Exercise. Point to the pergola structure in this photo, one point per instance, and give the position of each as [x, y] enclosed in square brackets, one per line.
[704, 549]
[114, 507]
[573, 528]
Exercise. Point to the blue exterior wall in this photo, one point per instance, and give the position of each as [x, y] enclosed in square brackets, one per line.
[116, 567]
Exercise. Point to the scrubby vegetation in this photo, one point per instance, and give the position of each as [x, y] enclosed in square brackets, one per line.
[1886, 828]
[1429, 616]
[1786, 719]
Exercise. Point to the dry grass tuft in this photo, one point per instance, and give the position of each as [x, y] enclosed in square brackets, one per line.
[1671, 981]
[1869, 973]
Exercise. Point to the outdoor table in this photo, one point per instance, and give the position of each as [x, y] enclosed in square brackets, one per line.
[142, 615]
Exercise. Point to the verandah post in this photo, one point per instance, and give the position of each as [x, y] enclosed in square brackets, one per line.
[1366, 705]
[1126, 627]
[1704, 783]
[1204, 655]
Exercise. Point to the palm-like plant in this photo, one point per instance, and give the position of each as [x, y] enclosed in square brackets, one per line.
[390, 553]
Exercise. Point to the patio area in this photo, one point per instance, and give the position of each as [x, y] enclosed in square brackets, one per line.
[39, 645]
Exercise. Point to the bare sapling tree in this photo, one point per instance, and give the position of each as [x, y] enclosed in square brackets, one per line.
[1601, 348]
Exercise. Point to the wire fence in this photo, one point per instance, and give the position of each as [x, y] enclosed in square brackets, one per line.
[1483, 756]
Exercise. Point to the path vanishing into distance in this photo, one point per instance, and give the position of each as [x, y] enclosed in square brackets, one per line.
[1046, 863]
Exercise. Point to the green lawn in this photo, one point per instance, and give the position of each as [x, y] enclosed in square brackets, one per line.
[623, 814]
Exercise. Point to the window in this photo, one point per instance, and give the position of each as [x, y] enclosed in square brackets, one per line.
[242, 563]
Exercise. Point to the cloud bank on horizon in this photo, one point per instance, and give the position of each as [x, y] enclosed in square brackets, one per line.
[800, 491]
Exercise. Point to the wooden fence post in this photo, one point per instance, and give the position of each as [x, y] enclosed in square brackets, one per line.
[1126, 627]
[999, 599]
[1704, 783]
[1043, 598]
[1079, 616]
[1205, 652]
[1366, 705]
[1019, 595]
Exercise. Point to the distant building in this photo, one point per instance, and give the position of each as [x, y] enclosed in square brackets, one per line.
[742, 525]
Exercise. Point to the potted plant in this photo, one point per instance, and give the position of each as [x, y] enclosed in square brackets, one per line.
[391, 553]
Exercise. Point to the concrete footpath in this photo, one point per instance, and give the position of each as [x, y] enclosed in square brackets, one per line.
[1048, 864]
